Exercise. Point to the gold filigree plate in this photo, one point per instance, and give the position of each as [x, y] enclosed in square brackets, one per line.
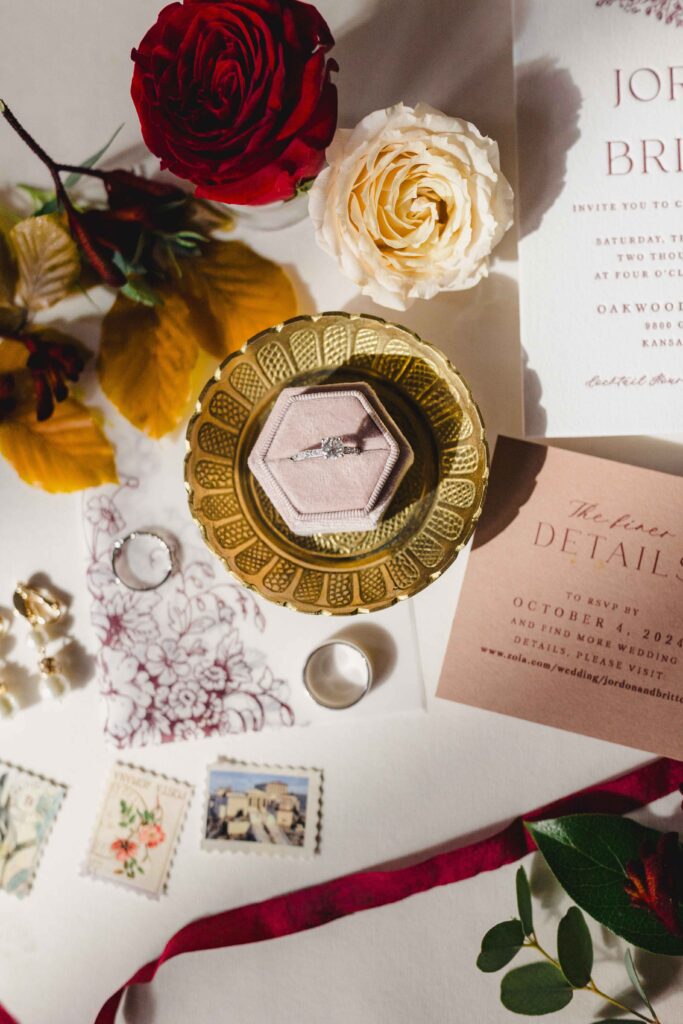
[433, 512]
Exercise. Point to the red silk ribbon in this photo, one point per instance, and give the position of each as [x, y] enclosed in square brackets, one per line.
[364, 890]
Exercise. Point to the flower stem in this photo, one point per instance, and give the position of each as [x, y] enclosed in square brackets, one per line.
[53, 167]
[44, 157]
[107, 271]
[592, 987]
[92, 172]
[533, 943]
[24, 135]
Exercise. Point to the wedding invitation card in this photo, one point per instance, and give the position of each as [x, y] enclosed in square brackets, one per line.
[571, 612]
[600, 122]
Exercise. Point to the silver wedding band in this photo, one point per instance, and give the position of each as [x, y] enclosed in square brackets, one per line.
[337, 674]
[329, 448]
[142, 560]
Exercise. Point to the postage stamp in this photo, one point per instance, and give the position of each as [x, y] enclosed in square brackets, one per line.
[252, 808]
[141, 818]
[29, 805]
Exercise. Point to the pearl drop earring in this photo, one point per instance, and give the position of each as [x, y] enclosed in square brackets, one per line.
[42, 609]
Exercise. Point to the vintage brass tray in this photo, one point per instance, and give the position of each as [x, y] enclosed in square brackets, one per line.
[434, 510]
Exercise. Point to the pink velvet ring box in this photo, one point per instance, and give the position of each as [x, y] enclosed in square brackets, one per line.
[328, 494]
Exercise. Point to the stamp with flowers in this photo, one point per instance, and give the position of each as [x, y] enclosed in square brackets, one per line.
[138, 828]
[28, 806]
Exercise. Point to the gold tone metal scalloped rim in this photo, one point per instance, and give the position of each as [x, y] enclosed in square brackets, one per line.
[433, 514]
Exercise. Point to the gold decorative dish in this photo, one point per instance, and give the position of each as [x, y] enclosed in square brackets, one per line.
[433, 512]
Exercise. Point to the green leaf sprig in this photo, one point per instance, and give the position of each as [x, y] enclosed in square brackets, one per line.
[549, 985]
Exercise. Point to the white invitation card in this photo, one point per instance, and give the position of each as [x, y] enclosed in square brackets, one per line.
[600, 121]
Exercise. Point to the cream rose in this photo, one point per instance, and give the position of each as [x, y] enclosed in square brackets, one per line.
[411, 204]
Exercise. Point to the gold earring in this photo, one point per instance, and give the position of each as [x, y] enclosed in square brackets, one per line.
[41, 609]
[8, 702]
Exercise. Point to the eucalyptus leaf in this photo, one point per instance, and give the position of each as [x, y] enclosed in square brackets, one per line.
[184, 243]
[575, 948]
[535, 989]
[500, 944]
[524, 901]
[74, 177]
[124, 265]
[49, 203]
[191, 236]
[635, 980]
[138, 290]
[589, 855]
[40, 196]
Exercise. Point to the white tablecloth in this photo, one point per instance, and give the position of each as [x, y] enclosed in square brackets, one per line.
[393, 787]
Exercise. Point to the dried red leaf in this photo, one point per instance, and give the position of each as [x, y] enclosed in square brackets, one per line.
[116, 231]
[127, 189]
[99, 261]
[51, 365]
[135, 205]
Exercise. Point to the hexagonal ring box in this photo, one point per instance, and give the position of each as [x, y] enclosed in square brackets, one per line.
[330, 458]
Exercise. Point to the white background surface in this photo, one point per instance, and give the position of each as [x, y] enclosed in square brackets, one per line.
[393, 788]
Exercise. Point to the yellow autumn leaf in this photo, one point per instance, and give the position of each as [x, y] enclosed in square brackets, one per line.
[146, 358]
[8, 218]
[12, 320]
[68, 452]
[8, 272]
[13, 356]
[48, 261]
[233, 293]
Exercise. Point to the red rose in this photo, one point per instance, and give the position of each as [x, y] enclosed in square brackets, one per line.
[235, 95]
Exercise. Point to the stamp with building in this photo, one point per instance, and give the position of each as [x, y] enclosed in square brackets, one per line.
[29, 804]
[262, 809]
[140, 821]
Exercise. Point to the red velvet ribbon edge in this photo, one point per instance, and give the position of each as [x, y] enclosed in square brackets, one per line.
[365, 890]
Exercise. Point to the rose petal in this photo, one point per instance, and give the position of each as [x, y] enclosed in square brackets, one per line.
[236, 96]
[413, 202]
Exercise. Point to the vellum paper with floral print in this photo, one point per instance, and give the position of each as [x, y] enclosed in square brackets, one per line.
[201, 655]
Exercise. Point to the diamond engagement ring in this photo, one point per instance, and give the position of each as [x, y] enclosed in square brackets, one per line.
[329, 448]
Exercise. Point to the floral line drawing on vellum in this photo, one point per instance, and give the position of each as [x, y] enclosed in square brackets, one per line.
[668, 11]
[173, 663]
